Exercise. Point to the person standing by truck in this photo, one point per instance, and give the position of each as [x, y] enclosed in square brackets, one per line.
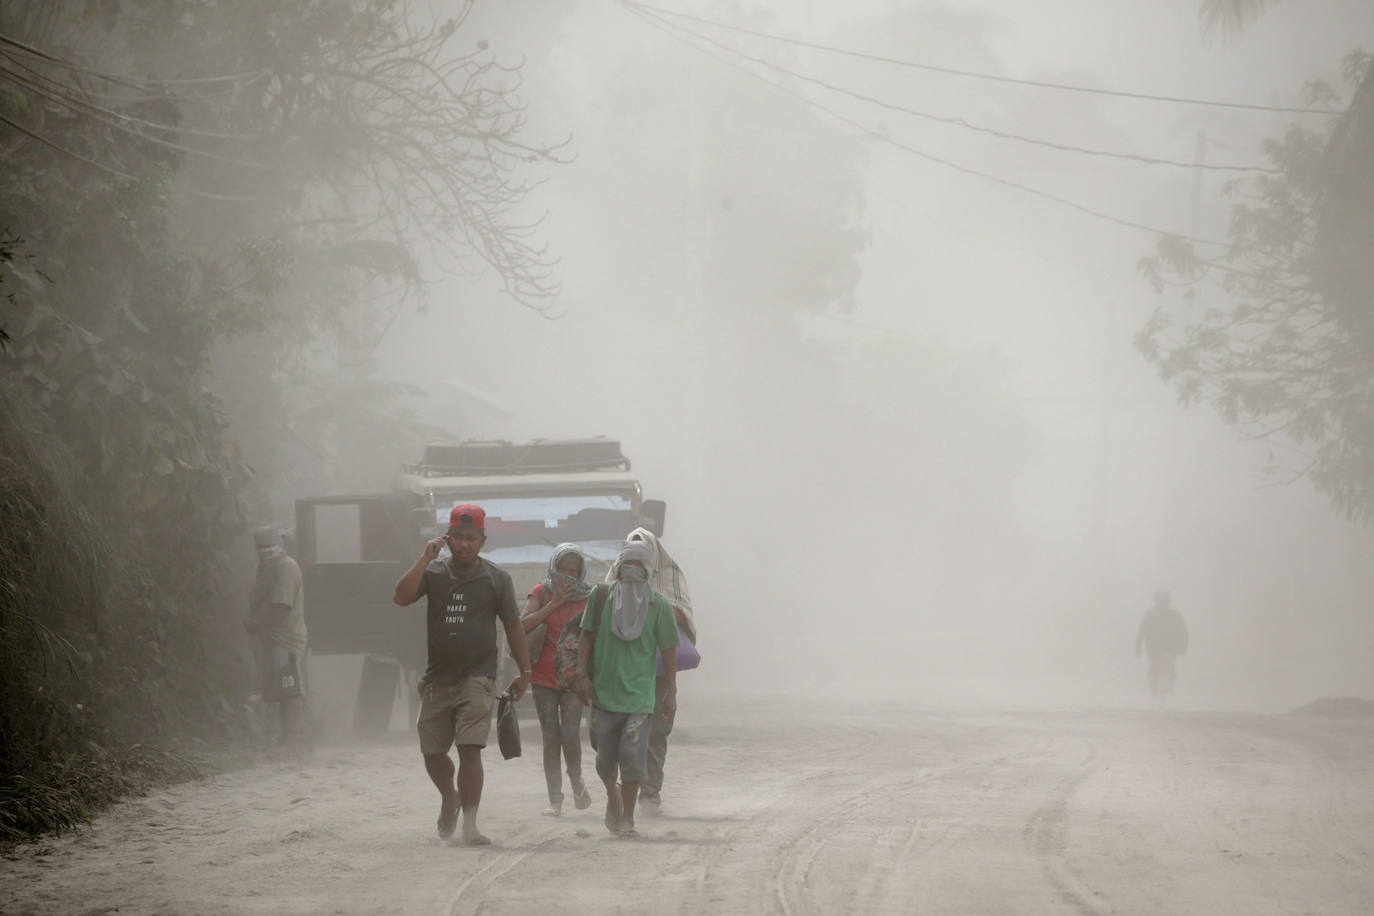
[467, 595]
[555, 604]
[276, 618]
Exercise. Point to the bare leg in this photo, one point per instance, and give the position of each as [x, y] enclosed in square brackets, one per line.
[629, 791]
[292, 717]
[470, 791]
[614, 804]
[440, 770]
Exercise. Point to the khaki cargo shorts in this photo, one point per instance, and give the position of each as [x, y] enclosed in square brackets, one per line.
[455, 714]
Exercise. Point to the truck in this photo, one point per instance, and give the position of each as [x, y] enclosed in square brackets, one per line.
[537, 494]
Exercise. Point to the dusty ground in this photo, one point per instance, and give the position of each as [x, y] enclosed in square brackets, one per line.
[776, 808]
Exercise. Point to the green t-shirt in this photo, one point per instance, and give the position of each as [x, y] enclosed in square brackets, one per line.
[623, 672]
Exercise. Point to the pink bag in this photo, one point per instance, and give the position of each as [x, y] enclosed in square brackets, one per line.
[687, 655]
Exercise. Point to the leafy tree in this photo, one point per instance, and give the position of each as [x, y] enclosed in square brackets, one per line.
[1231, 17]
[1287, 355]
[189, 174]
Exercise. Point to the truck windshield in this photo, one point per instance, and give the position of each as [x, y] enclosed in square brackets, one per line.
[529, 521]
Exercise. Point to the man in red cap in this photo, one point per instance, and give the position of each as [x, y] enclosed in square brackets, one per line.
[467, 595]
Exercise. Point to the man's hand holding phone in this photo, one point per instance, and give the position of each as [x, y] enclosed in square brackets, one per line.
[433, 547]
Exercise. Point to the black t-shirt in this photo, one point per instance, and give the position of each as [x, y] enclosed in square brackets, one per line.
[462, 615]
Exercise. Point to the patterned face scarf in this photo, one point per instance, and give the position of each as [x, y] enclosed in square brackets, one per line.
[630, 595]
[579, 585]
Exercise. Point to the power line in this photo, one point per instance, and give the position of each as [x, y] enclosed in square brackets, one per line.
[992, 77]
[978, 128]
[128, 82]
[672, 32]
[56, 92]
[116, 121]
[62, 149]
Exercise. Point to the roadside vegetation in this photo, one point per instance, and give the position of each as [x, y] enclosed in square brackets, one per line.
[189, 183]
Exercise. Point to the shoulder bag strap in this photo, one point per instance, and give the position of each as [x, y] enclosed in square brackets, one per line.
[598, 602]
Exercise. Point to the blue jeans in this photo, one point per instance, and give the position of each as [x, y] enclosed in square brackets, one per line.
[560, 716]
[661, 728]
[622, 743]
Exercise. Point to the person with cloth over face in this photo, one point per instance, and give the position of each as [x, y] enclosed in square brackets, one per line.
[557, 603]
[635, 625]
[467, 595]
[670, 582]
[276, 617]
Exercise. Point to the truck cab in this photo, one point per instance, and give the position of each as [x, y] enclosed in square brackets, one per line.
[538, 494]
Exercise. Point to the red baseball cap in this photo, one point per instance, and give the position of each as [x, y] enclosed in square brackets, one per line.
[475, 516]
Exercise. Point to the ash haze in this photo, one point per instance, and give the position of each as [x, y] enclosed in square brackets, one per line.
[952, 478]
[895, 371]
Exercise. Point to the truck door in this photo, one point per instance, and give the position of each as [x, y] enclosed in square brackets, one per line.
[352, 549]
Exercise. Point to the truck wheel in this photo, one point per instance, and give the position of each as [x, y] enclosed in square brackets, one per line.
[376, 696]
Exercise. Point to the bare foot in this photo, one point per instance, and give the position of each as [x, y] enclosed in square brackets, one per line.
[448, 816]
[474, 838]
[613, 811]
[471, 837]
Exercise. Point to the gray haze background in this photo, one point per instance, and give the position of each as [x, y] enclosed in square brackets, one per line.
[966, 486]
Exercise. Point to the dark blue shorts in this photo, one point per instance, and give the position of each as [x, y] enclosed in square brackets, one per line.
[283, 675]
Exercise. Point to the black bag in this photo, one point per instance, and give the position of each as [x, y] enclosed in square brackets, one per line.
[534, 643]
[507, 727]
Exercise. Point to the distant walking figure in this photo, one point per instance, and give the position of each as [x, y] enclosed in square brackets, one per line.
[1164, 637]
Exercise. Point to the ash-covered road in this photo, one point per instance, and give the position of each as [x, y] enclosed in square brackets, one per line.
[774, 808]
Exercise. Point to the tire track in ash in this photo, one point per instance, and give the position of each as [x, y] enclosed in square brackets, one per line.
[1046, 834]
[471, 896]
[888, 853]
[749, 835]
[792, 889]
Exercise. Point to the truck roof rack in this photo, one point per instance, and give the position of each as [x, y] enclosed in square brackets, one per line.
[539, 456]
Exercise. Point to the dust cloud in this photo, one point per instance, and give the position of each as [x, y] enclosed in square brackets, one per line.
[908, 448]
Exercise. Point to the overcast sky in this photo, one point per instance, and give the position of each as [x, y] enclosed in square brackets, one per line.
[991, 482]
